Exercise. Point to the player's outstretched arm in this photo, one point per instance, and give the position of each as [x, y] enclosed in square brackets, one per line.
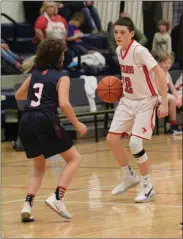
[63, 94]
[21, 93]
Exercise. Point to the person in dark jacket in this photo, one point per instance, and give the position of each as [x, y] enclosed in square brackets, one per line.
[177, 42]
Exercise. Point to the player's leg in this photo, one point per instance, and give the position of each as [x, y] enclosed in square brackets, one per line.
[173, 115]
[56, 200]
[31, 145]
[122, 123]
[35, 181]
[146, 187]
[143, 129]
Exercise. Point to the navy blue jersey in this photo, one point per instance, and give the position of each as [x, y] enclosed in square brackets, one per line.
[42, 92]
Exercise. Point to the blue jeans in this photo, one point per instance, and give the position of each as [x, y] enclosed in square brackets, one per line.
[92, 18]
[9, 56]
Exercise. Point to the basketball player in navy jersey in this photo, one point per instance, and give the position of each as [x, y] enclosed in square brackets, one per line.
[40, 131]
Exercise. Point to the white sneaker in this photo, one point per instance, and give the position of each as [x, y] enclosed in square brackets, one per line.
[57, 206]
[26, 213]
[145, 193]
[126, 184]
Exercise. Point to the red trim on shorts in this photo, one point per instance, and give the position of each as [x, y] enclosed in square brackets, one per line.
[124, 134]
[109, 132]
[152, 125]
[126, 52]
[140, 136]
[179, 86]
[149, 83]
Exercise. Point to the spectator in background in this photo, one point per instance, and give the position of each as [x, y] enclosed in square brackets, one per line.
[177, 12]
[9, 56]
[138, 36]
[177, 42]
[174, 99]
[75, 35]
[162, 39]
[92, 19]
[179, 85]
[49, 24]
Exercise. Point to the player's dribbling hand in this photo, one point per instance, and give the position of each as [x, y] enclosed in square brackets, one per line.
[81, 128]
[163, 110]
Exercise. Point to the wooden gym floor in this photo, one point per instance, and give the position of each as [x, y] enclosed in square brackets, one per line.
[96, 213]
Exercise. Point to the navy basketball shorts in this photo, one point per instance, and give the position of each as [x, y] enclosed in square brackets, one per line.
[42, 134]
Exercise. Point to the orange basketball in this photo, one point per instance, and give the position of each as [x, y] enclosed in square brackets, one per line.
[110, 89]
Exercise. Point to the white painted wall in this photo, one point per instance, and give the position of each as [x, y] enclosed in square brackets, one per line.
[14, 9]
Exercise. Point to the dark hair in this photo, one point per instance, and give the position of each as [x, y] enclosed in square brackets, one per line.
[125, 21]
[78, 16]
[50, 54]
[164, 23]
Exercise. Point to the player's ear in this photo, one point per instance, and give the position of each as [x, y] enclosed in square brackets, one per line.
[132, 33]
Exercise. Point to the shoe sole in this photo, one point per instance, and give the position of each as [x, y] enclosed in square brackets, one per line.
[146, 200]
[26, 217]
[131, 186]
[55, 210]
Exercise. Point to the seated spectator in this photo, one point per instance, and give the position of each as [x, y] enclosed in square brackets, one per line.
[179, 85]
[50, 24]
[92, 19]
[162, 39]
[9, 56]
[138, 36]
[174, 99]
[74, 37]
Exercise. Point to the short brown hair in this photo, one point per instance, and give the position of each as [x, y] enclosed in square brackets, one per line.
[125, 21]
[78, 16]
[164, 56]
[50, 54]
[165, 23]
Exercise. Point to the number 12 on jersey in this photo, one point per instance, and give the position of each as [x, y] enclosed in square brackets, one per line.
[127, 83]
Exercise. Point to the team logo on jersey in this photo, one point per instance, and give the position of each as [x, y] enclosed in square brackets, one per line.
[44, 72]
[144, 130]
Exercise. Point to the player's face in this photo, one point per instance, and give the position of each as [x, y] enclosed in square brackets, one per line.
[165, 65]
[123, 36]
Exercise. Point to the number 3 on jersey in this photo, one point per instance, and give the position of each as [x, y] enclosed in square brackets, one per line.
[38, 94]
[128, 85]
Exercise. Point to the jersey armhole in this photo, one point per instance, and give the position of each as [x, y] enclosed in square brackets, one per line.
[134, 57]
[60, 81]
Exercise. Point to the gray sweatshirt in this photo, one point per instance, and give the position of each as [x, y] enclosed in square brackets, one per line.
[162, 43]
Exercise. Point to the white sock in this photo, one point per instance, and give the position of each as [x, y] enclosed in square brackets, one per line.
[146, 180]
[127, 171]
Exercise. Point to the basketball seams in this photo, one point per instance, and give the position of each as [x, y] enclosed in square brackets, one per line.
[106, 91]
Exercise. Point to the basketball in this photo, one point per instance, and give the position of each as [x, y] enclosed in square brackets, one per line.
[110, 89]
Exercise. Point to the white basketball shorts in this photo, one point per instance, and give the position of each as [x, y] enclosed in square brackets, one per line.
[135, 117]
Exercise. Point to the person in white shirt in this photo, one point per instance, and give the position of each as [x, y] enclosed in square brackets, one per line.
[135, 113]
[174, 99]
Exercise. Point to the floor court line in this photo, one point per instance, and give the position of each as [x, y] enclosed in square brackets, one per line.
[85, 190]
[120, 203]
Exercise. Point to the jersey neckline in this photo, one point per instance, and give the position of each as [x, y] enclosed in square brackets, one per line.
[126, 52]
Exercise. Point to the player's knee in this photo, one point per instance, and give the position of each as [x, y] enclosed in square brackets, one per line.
[77, 158]
[112, 138]
[172, 101]
[137, 149]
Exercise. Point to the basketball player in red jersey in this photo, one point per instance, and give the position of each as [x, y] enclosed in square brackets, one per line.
[135, 113]
[40, 131]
